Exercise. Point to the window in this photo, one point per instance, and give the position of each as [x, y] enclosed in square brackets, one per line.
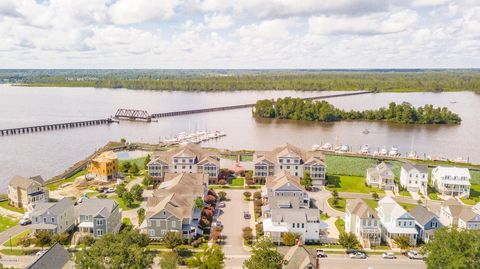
[174, 224]
[151, 232]
[303, 225]
[433, 224]
[99, 232]
[53, 220]
[44, 220]
[87, 218]
[293, 225]
[99, 221]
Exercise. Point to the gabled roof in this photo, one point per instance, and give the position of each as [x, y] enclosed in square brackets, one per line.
[361, 209]
[467, 214]
[422, 215]
[395, 210]
[54, 258]
[24, 183]
[451, 171]
[287, 150]
[97, 207]
[281, 179]
[188, 150]
[54, 208]
[410, 168]
[384, 171]
[298, 257]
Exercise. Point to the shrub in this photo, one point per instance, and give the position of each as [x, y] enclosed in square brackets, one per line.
[62, 239]
[210, 199]
[87, 240]
[102, 196]
[250, 181]
[257, 195]
[290, 239]
[222, 195]
[25, 241]
[259, 229]
[247, 195]
[258, 203]
[247, 235]
[222, 182]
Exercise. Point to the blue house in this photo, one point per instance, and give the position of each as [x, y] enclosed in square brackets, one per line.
[426, 222]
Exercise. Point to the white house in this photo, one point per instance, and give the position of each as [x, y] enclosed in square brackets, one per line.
[363, 221]
[395, 221]
[414, 178]
[453, 212]
[451, 181]
[381, 176]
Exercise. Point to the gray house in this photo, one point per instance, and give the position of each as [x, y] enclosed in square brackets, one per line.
[98, 217]
[426, 222]
[56, 257]
[55, 217]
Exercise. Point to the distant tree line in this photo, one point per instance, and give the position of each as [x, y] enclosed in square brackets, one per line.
[242, 80]
[299, 109]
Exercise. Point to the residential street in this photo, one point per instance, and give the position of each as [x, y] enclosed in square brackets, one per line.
[17, 261]
[342, 261]
[233, 222]
[5, 235]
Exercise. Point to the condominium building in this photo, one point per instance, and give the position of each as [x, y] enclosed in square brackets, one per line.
[451, 181]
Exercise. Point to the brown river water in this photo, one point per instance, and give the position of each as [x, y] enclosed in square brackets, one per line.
[49, 153]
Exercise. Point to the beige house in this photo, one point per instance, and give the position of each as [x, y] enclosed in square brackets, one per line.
[299, 257]
[172, 206]
[291, 159]
[189, 158]
[364, 222]
[24, 192]
[453, 212]
[381, 176]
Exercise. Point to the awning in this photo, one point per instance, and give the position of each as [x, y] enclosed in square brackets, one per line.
[43, 226]
[85, 225]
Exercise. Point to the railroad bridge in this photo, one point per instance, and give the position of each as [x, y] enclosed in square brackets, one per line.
[132, 114]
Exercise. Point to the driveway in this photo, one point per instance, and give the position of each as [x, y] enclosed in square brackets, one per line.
[233, 222]
[320, 199]
[342, 261]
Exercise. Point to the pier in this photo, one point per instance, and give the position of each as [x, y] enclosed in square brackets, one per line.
[143, 115]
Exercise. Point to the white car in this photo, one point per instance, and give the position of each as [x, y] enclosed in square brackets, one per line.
[389, 255]
[40, 253]
[414, 255]
[221, 204]
[357, 255]
[25, 221]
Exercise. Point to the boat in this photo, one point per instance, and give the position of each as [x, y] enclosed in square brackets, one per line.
[315, 147]
[365, 149]
[366, 131]
[461, 160]
[344, 148]
[383, 151]
[327, 146]
[393, 151]
[412, 155]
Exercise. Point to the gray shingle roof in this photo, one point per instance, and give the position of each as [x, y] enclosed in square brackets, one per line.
[55, 258]
[419, 167]
[422, 215]
[22, 182]
[94, 207]
[298, 257]
[54, 208]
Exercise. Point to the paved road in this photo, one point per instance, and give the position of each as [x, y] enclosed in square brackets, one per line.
[5, 235]
[17, 261]
[320, 200]
[233, 222]
[341, 261]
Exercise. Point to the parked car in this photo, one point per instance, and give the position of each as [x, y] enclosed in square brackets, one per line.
[217, 224]
[246, 215]
[414, 255]
[221, 204]
[358, 255]
[40, 253]
[25, 221]
[353, 250]
[389, 255]
[109, 190]
[321, 253]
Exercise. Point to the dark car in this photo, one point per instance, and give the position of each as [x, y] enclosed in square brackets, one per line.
[246, 215]
[321, 253]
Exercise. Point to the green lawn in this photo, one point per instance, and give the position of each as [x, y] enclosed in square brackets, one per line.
[7, 222]
[404, 193]
[16, 252]
[340, 206]
[349, 184]
[374, 204]
[122, 205]
[237, 182]
[355, 166]
[5, 205]
[15, 239]
[340, 224]
[474, 195]
[127, 221]
[56, 185]
[324, 216]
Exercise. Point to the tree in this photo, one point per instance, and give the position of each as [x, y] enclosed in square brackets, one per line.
[173, 239]
[257, 195]
[62, 238]
[120, 190]
[147, 160]
[43, 238]
[210, 258]
[123, 140]
[335, 193]
[307, 181]
[126, 249]
[264, 256]
[133, 169]
[247, 235]
[141, 215]
[453, 248]
[402, 241]
[375, 196]
[125, 166]
[137, 192]
[169, 260]
[128, 199]
[210, 199]
[222, 195]
[247, 195]
[290, 238]
[147, 181]
[199, 203]
[348, 240]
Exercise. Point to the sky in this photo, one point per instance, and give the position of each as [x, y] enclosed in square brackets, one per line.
[185, 34]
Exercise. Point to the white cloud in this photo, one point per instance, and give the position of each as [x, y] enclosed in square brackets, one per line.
[271, 29]
[218, 21]
[382, 23]
[138, 11]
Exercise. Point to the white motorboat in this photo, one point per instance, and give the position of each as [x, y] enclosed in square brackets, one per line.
[383, 151]
[315, 147]
[365, 149]
[393, 151]
[327, 146]
[344, 148]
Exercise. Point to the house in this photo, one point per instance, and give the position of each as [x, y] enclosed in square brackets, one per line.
[56, 257]
[23, 192]
[285, 185]
[288, 209]
[414, 178]
[299, 257]
[451, 181]
[56, 217]
[104, 166]
[395, 221]
[97, 217]
[381, 176]
[426, 223]
[292, 159]
[172, 206]
[363, 221]
[189, 158]
[453, 212]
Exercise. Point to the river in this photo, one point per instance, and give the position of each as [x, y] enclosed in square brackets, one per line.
[49, 153]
